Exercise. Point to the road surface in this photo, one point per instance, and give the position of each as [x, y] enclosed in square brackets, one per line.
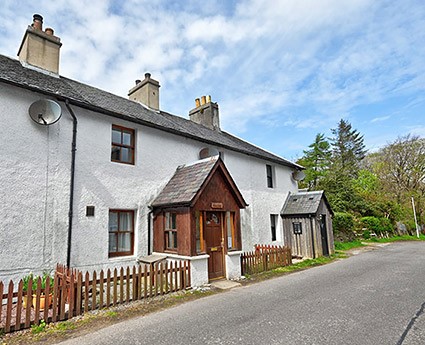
[376, 297]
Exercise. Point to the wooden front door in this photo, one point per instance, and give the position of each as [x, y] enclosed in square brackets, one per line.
[214, 244]
[324, 235]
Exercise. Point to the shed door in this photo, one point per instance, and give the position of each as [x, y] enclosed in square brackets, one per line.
[214, 244]
[324, 235]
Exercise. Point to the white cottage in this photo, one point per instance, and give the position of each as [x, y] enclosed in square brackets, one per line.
[86, 188]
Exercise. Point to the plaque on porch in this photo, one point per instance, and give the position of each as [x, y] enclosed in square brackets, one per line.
[216, 205]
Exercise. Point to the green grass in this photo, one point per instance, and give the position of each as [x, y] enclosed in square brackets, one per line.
[298, 266]
[397, 238]
[348, 245]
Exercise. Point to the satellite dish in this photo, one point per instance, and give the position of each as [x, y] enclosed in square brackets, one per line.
[298, 175]
[207, 152]
[45, 112]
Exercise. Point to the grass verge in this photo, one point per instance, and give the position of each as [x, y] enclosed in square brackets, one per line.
[397, 238]
[348, 245]
[295, 267]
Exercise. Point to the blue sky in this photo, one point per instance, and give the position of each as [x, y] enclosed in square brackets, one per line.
[281, 71]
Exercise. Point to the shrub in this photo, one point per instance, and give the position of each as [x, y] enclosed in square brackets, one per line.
[343, 222]
[343, 226]
[377, 225]
[366, 234]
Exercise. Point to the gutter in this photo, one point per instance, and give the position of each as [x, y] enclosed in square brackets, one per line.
[71, 184]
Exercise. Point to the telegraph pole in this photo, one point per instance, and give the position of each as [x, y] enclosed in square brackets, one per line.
[414, 214]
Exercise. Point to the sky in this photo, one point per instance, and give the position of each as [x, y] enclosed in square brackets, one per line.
[281, 71]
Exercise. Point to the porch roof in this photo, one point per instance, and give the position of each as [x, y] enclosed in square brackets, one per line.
[188, 181]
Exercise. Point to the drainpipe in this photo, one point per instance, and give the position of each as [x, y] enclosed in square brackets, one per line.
[149, 229]
[71, 184]
[312, 237]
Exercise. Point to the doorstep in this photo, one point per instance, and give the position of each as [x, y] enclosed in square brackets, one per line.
[224, 284]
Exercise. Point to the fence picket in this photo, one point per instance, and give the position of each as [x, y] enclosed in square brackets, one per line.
[86, 291]
[93, 291]
[127, 285]
[18, 306]
[47, 300]
[101, 281]
[114, 294]
[9, 307]
[121, 285]
[108, 288]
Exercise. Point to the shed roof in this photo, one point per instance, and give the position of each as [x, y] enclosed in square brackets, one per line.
[188, 181]
[82, 95]
[303, 203]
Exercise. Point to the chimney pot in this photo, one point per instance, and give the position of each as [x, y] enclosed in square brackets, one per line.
[203, 100]
[197, 102]
[208, 99]
[37, 22]
[138, 81]
[49, 31]
[147, 75]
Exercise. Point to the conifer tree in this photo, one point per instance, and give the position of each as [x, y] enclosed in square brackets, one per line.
[348, 149]
[316, 161]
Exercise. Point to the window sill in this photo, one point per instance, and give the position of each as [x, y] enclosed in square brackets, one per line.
[234, 252]
[118, 258]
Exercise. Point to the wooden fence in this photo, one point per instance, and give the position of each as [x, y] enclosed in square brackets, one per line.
[264, 258]
[73, 293]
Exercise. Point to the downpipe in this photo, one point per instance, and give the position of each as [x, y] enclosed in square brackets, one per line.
[71, 184]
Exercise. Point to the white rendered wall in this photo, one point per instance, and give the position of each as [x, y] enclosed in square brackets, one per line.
[35, 177]
[250, 176]
[34, 191]
[233, 265]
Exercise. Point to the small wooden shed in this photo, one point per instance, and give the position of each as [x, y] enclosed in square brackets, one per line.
[307, 224]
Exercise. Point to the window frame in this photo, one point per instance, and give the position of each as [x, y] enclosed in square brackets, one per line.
[270, 176]
[169, 230]
[273, 226]
[231, 230]
[297, 228]
[131, 251]
[131, 147]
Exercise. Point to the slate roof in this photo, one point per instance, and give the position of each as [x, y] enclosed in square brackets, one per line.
[12, 72]
[302, 203]
[186, 182]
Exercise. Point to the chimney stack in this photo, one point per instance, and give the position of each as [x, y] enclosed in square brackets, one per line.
[206, 113]
[40, 48]
[146, 91]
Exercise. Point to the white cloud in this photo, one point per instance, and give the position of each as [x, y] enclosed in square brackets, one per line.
[380, 119]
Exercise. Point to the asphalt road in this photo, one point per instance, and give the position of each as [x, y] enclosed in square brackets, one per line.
[376, 297]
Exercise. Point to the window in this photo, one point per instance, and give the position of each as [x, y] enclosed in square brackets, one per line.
[122, 150]
[269, 171]
[231, 235]
[200, 244]
[297, 228]
[273, 221]
[170, 231]
[121, 232]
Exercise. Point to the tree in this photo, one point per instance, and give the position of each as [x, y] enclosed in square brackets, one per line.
[316, 161]
[348, 149]
[400, 167]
